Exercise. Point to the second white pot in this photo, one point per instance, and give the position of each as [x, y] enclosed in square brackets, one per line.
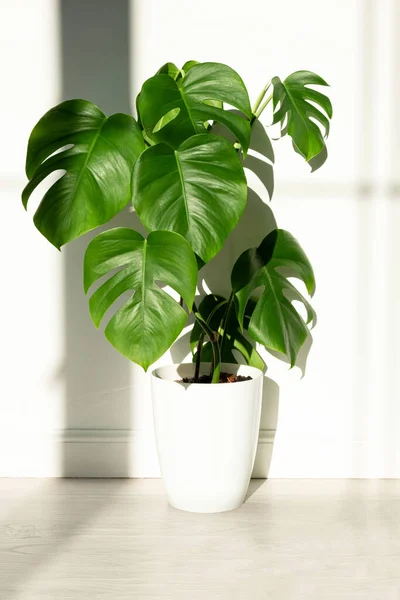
[206, 436]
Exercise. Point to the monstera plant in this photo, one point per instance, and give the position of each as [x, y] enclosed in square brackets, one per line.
[180, 163]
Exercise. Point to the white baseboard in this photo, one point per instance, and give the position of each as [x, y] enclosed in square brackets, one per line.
[132, 453]
[95, 453]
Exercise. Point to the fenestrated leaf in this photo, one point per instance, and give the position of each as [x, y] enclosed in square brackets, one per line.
[198, 97]
[151, 320]
[98, 167]
[212, 308]
[198, 190]
[275, 323]
[295, 112]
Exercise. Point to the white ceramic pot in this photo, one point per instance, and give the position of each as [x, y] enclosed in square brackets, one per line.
[206, 436]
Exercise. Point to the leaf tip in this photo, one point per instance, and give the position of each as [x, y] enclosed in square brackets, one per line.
[96, 320]
[311, 287]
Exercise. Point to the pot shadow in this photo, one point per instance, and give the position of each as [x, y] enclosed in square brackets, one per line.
[254, 486]
[268, 425]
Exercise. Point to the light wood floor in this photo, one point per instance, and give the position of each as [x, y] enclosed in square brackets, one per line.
[118, 539]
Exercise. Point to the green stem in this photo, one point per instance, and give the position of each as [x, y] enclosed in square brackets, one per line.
[198, 357]
[216, 360]
[224, 322]
[261, 97]
[216, 364]
[201, 340]
[263, 106]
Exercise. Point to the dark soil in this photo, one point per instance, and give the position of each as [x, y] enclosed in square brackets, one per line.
[223, 378]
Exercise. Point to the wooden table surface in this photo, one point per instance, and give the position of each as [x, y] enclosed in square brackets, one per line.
[118, 539]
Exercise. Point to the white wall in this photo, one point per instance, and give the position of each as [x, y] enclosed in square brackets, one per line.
[31, 303]
[342, 419]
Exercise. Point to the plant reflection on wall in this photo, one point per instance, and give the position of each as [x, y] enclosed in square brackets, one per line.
[189, 191]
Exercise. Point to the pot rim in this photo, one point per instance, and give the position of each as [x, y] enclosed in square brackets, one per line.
[253, 372]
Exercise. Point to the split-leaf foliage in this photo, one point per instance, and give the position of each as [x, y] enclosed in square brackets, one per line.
[186, 182]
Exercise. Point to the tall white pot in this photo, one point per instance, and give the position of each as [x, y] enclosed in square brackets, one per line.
[206, 436]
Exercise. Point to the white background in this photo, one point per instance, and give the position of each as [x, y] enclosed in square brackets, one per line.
[87, 411]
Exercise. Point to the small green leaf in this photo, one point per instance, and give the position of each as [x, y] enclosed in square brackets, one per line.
[198, 190]
[151, 320]
[295, 112]
[275, 323]
[98, 167]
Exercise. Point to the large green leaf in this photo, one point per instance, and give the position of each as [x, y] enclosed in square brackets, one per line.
[98, 162]
[198, 190]
[295, 112]
[275, 323]
[213, 309]
[151, 320]
[173, 110]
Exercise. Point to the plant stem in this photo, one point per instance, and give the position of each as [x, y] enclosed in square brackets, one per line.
[216, 360]
[260, 110]
[201, 339]
[216, 364]
[224, 322]
[198, 357]
[260, 97]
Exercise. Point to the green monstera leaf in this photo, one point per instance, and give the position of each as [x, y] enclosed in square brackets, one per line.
[97, 154]
[198, 190]
[172, 110]
[275, 322]
[296, 113]
[213, 310]
[151, 320]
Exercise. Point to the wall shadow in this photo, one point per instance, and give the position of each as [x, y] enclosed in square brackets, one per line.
[256, 222]
[95, 66]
